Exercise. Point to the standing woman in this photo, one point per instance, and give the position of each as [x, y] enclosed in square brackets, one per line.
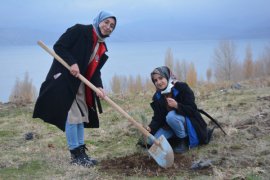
[64, 100]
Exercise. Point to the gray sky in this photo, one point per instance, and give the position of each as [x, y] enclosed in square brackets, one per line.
[178, 18]
[23, 22]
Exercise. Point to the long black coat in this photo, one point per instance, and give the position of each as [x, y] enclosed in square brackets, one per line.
[57, 94]
[186, 107]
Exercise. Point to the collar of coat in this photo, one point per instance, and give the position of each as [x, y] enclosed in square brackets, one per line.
[175, 92]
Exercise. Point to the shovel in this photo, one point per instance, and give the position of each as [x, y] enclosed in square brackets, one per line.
[161, 150]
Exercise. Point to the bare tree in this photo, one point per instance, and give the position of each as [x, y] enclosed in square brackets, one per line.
[262, 64]
[23, 91]
[131, 85]
[192, 75]
[138, 84]
[237, 73]
[116, 84]
[266, 60]
[209, 74]
[225, 61]
[149, 86]
[259, 68]
[177, 70]
[184, 70]
[248, 64]
[169, 59]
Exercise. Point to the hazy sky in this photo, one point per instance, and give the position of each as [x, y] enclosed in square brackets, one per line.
[141, 15]
[23, 22]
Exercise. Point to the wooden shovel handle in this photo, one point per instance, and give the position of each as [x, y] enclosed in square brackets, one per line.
[88, 83]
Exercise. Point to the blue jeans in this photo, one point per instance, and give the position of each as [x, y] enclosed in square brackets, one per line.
[177, 127]
[74, 135]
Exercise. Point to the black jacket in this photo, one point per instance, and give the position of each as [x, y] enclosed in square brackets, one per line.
[185, 98]
[56, 95]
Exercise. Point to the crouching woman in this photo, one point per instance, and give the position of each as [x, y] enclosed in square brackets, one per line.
[175, 113]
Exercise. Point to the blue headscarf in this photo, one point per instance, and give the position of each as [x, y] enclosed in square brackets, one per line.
[101, 17]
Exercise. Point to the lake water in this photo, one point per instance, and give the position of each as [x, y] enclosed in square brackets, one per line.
[125, 59]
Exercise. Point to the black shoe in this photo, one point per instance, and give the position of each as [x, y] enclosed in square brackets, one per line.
[181, 146]
[85, 156]
[78, 159]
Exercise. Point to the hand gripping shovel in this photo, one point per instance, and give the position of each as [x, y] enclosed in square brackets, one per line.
[161, 150]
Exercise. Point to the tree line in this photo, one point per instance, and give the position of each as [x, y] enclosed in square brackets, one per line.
[225, 67]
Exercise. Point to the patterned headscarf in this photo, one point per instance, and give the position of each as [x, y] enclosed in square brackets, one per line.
[165, 72]
[101, 17]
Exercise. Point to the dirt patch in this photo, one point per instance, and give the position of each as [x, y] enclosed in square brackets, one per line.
[145, 166]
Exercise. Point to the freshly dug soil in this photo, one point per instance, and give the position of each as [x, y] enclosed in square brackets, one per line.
[144, 165]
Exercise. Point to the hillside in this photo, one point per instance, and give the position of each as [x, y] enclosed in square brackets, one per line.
[244, 153]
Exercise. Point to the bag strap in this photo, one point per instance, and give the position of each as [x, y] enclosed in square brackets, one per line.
[212, 119]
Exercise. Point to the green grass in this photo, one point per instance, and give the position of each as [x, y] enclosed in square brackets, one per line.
[27, 169]
[35, 169]
[252, 176]
[7, 133]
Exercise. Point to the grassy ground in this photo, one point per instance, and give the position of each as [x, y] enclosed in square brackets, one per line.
[243, 154]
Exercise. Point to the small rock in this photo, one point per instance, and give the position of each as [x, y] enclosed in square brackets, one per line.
[29, 136]
[236, 86]
[214, 151]
[50, 145]
[201, 164]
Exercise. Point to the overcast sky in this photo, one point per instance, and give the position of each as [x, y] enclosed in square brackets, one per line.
[140, 15]
[23, 22]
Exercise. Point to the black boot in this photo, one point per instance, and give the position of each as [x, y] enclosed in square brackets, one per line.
[85, 156]
[181, 146]
[78, 159]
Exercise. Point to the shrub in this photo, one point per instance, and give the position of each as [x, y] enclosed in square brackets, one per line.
[23, 91]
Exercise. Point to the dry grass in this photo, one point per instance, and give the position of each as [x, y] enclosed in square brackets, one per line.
[243, 154]
[23, 91]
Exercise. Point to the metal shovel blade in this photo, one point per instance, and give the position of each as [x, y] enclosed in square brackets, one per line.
[162, 152]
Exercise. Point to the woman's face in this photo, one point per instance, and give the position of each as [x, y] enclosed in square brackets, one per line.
[160, 81]
[107, 26]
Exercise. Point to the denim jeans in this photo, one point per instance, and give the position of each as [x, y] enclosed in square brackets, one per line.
[74, 135]
[176, 128]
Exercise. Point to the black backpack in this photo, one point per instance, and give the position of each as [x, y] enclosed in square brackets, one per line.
[211, 130]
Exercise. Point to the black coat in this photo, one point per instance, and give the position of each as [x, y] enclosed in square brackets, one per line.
[186, 107]
[56, 95]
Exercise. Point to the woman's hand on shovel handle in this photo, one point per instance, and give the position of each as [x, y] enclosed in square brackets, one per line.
[74, 70]
[102, 93]
[148, 128]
